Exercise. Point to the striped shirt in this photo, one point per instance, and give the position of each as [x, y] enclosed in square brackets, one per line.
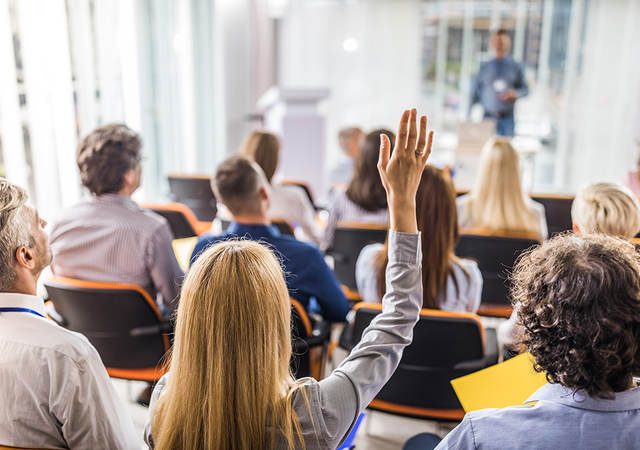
[342, 209]
[111, 239]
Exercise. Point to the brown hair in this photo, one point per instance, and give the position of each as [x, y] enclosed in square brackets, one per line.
[365, 189]
[264, 149]
[105, 155]
[438, 222]
[237, 183]
[579, 302]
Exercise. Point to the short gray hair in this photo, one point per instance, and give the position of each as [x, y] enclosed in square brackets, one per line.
[14, 230]
[607, 208]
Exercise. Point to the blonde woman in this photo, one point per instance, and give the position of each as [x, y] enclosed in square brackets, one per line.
[497, 201]
[599, 208]
[286, 202]
[229, 384]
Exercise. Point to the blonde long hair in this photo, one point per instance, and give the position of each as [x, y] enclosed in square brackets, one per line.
[497, 200]
[230, 386]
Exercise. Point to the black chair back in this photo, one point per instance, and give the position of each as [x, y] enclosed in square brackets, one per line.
[309, 343]
[557, 210]
[195, 192]
[496, 256]
[348, 242]
[179, 225]
[445, 346]
[283, 227]
[120, 321]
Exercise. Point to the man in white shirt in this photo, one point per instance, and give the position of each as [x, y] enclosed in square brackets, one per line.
[54, 389]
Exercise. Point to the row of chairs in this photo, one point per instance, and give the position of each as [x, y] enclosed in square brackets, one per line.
[195, 192]
[495, 253]
[133, 338]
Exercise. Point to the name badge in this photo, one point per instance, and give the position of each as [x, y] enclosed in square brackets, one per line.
[499, 85]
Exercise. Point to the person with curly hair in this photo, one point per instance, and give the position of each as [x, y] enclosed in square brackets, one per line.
[607, 208]
[579, 301]
[108, 237]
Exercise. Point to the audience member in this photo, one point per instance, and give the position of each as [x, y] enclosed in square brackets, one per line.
[448, 282]
[108, 237]
[341, 172]
[606, 208]
[55, 391]
[579, 303]
[242, 187]
[497, 201]
[229, 385]
[632, 178]
[364, 199]
[289, 203]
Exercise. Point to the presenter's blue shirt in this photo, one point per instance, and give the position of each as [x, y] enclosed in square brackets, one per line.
[306, 273]
[554, 417]
[494, 78]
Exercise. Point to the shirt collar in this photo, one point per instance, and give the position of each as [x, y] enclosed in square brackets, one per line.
[623, 401]
[124, 200]
[252, 229]
[10, 299]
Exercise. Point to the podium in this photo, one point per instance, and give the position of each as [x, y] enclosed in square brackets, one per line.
[293, 115]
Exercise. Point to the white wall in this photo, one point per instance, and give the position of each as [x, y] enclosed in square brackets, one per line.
[370, 86]
[605, 107]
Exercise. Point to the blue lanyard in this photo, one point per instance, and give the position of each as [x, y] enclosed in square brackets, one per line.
[16, 309]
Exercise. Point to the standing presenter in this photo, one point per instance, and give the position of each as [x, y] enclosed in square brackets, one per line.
[498, 84]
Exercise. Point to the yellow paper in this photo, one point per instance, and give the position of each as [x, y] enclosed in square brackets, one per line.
[505, 384]
[183, 248]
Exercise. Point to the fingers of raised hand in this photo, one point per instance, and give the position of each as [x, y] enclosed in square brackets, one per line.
[403, 131]
[422, 137]
[427, 150]
[413, 132]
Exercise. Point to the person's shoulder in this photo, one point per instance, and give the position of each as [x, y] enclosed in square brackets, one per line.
[65, 343]
[370, 251]
[470, 266]
[535, 206]
[462, 200]
[285, 243]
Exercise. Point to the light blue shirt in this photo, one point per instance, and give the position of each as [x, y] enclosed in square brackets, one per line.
[559, 420]
[494, 78]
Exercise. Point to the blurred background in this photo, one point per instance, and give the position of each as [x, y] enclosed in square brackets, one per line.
[195, 76]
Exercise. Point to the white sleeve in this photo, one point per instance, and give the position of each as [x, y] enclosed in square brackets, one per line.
[88, 408]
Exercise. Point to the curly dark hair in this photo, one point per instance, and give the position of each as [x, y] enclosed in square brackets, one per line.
[105, 156]
[579, 302]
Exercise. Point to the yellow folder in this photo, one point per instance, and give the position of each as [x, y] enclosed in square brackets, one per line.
[182, 248]
[505, 384]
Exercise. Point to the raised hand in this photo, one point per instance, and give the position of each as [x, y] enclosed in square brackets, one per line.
[401, 173]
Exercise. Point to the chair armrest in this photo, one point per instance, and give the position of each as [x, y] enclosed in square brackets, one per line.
[320, 336]
[162, 327]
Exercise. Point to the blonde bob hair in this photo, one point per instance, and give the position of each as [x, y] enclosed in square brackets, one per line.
[497, 199]
[230, 386]
[608, 208]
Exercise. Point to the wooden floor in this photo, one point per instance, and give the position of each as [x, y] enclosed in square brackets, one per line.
[378, 431]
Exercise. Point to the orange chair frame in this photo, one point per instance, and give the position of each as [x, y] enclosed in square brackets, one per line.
[318, 354]
[198, 226]
[414, 411]
[142, 374]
